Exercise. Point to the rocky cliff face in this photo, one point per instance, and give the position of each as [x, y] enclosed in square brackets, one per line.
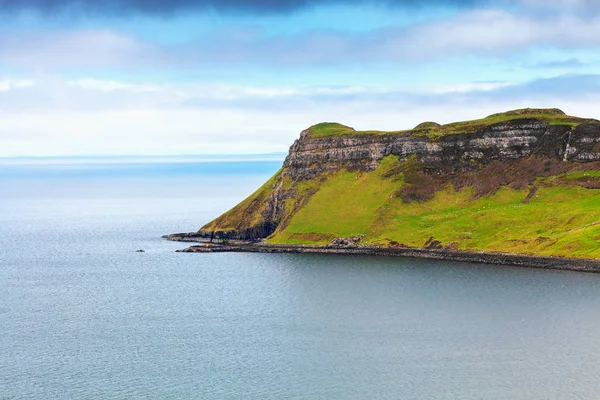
[311, 156]
[511, 140]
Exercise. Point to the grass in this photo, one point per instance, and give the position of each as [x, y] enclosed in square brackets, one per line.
[558, 221]
[575, 175]
[433, 130]
[247, 213]
[346, 205]
[334, 129]
[561, 219]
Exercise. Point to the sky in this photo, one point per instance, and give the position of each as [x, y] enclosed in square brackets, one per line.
[170, 77]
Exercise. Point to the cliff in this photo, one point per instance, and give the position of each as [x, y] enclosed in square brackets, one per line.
[523, 181]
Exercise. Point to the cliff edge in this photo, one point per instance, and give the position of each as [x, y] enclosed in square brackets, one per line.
[525, 181]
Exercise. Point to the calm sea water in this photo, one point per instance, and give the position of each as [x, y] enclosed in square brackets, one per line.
[83, 316]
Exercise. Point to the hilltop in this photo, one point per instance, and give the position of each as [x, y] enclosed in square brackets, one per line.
[552, 116]
[524, 181]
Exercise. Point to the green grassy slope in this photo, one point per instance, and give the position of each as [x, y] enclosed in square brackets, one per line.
[247, 213]
[346, 204]
[562, 218]
[550, 116]
[528, 206]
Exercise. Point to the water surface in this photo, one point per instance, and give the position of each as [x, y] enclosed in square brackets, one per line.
[83, 316]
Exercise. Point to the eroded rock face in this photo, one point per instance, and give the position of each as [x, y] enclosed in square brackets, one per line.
[516, 139]
[583, 144]
[310, 157]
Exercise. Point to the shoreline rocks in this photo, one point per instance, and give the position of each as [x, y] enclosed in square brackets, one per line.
[514, 260]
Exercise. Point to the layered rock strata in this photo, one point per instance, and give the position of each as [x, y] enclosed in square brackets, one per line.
[311, 156]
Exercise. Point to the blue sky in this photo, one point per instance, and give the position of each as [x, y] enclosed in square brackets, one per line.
[214, 77]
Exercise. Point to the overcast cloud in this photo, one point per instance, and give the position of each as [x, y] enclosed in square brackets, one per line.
[485, 33]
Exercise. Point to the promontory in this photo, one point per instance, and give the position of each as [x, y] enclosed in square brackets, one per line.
[521, 182]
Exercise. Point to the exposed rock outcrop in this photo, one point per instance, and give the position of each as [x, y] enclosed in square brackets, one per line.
[448, 254]
[346, 243]
[311, 156]
[515, 139]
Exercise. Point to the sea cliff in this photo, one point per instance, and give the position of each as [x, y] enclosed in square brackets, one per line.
[525, 181]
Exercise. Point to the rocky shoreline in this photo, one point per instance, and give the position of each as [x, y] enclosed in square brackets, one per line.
[516, 260]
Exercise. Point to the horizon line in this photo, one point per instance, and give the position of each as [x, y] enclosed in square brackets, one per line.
[115, 156]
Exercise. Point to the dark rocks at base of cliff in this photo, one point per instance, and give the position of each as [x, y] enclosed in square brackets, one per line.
[516, 260]
[345, 242]
[251, 234]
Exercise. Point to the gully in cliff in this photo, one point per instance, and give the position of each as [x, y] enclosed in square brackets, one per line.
[518, 188]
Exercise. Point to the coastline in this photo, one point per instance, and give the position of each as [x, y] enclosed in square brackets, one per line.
[515, 260]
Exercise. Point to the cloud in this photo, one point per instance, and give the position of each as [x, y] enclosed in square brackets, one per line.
[52, 93]
[9, 84]
[561, 88]
[167, 7]
[567, 63]
[572, 4]
[94, 95]
[479, 32]
[53, 116]
[65, 49]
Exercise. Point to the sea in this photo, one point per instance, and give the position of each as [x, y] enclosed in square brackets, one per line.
[83, 315]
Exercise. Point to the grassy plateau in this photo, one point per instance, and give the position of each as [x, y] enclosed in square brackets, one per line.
[433, 130]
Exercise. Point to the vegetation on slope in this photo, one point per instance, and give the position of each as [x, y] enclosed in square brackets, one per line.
[433, 130]
[246, 214]
[549, 212]
[346, 204]
[535, 205]
[333, 129]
